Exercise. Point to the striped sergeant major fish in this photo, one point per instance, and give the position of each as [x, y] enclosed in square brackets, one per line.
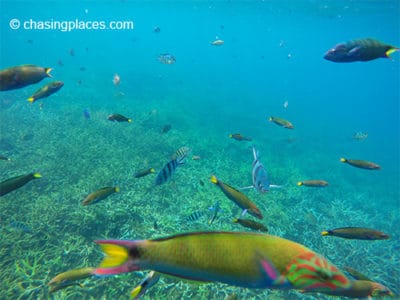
[166, 172]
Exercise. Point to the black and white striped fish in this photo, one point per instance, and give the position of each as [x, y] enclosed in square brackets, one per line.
[166, 172]
[181, 153]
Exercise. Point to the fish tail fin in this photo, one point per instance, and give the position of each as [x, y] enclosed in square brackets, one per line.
[214, 179]
[235, 220]
[325, 232]
[129, 120]
[343, 159]
[300, 183]
[136, 292]
[152, 170]
[390, 51]
[48, 70]
[117, 258]
[116, 189]
[37, 175]
[270, 119]
[231, 135]
[31, 99]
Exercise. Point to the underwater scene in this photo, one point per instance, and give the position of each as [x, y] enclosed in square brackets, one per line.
[200, 149]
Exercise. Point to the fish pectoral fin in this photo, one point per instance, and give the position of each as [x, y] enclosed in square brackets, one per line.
[272, 276]
[247, 187]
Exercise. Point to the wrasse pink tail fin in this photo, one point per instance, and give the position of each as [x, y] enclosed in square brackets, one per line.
[271, 275]
[117, 257]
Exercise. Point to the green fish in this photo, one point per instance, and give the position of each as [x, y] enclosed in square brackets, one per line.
[100, 195]
[46, 91]
[14, 183]
[144, 172]
[281, 122]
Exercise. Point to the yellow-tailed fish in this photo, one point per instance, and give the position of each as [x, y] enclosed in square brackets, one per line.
[249, 260]
[239, 198]
[358, 233]
[251, 224]
[144, 172]
[363, 164]
[14, 183]
[100, 195]
[313, 183]
[150, 280]
[119, 118]
[21, 76]
[75, 274]
[4, 158]
[46, 91]
[239, 137]
[281, 122]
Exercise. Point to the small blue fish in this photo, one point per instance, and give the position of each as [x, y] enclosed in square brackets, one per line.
[166, 172]
[86, 113]
[19, 226]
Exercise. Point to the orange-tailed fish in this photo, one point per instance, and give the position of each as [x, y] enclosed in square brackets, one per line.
[119, 118]
[251, 224]
[363, 164]
[358, 233]
[21, 76]
[144, 172]
[150, 280]
[100, 195]
[249, 260]
[46, 91]
[14, 183]
[359, 50]
[281, 122]
[75, 274]
[239, 137]
[313, 183]
[238, 197]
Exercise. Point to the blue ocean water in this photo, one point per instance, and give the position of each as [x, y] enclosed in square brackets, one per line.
[272, 53]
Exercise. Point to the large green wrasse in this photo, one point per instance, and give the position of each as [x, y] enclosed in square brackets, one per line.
[100, 195]
[281, 122]
[150, 280]
[358, 233]
[46, 91]
[21, 76]
[313, 183]
[238, 197]
[14, 183]
[144, 172]
[363, 164]
[249, 260]
[251, 224]
[359, 50]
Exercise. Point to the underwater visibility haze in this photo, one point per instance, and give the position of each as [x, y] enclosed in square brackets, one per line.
[250, 141]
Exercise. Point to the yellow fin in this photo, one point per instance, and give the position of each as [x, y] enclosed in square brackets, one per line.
[214, 179]
[135, 292]
[115, 255]
[300, 183]
[48, 70]
[235, 220]
[324, 233]
[129, 120]
[37, 175]
[31, 99]
[230, 135]
[343, 159]
[152, 170]
[116, 189]
[390, 51]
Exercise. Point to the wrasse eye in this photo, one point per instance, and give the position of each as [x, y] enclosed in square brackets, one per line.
[323, 275]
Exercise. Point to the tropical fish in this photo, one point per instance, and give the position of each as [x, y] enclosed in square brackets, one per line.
[166, 172]
[281, 122]
[196, 157]
[239, 137]
[355, 274]
[363, 164]
[181, 153]
[249, 260]
[259, 174]
[166, 128]
[217, 42]
[16, 182]
[144, 172]
[3, 158]
[216, 208]
[167, 59]
[313, 183]
[150, 280]
[250, 224]
[360, 136]
[100, 195]
[118, 118]
[239, 198]
[86, 113]
[194, 216]
[359, 50]
[21, 76]
[75, 274]
[46, 91]
[116, 79]
[20, 227]
[358, 233]
[156, 29]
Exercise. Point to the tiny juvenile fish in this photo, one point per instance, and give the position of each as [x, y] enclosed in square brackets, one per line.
[166, 128]
[46, 91]
[14, 183]
[100, 195]
[313, 183]
[217, 42]
[167, 59]
[251, 224]
[144, 172]
[20, 227]
[281, 122]
[239, 137]
[150, 280]
[21, 76]
[359, 50]
[358, 233]
[194, 216]
[362, 164]
[118, 118]
[166, 172]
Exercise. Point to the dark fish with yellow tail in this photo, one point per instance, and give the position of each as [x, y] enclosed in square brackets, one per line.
[281, 122]
[4, 157]
[100, 195]
[362, 164]
[21, 76]
[150, 280]
[250, 260]
[144, 172]
[239, 137]
[313, 183]
[360, 50]
[238, 197]
[75, 274]
[358, 233]
[166, 172]
[46, 91]
[118, 118]
[14, 183]
[251, 224]
[355, 274]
